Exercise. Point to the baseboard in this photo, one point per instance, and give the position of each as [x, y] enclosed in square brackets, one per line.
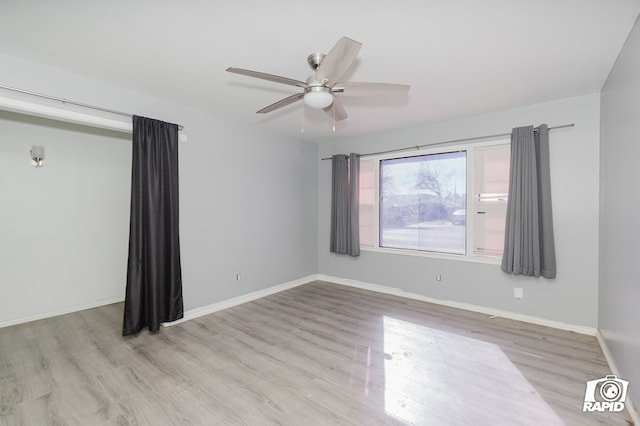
[591, 331]
[55, 313]
[631, 407]
[205, 310]
[235, 301]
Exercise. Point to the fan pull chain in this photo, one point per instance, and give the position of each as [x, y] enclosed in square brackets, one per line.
[334, 118]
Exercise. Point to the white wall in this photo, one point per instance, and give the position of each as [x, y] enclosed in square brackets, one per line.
[571, 297]
[619, 316]
[247, 197]
[63, 226]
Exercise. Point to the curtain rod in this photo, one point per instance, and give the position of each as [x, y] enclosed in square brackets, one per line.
[417, 147]
[67, 101]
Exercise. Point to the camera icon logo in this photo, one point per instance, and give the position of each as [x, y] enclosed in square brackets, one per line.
[605, 394]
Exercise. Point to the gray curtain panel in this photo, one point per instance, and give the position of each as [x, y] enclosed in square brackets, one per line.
[345, 194]
[528, 245]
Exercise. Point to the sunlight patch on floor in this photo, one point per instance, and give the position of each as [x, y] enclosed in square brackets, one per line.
[432, 374]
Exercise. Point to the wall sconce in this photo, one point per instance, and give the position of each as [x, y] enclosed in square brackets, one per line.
[37, 155]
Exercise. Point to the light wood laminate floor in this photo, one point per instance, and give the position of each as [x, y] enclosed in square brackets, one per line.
[318, 354]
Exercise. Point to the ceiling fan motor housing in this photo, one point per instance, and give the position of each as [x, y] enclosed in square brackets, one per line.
[315, 59]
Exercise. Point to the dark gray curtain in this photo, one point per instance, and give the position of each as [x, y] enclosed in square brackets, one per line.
[154, 275]
[345, 210]
[528, 245]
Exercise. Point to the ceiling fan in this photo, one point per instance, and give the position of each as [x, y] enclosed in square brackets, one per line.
[322, 85]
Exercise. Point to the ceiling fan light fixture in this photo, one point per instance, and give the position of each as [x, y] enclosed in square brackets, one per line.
[318, 97]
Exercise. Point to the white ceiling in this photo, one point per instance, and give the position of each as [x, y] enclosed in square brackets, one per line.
[461, 57]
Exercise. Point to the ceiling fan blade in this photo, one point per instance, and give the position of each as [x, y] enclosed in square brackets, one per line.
[338, 60]
[265, 76]
[370, 89]
[336, 110]
[281, 103]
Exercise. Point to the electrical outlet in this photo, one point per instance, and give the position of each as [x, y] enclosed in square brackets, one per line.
[518, 293]
[238, 277]
[438, 277]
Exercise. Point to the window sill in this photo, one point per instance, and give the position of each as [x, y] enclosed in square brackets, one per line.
[431, 255]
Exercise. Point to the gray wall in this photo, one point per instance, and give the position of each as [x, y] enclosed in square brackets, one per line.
[572, 297]
[619, 316]
[248, 201]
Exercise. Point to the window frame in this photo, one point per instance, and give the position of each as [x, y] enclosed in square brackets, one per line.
[470, 255]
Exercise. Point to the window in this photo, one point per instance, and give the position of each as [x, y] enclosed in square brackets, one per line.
[367, 201]
[442, 202]
[490, 198]
[418, 196]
